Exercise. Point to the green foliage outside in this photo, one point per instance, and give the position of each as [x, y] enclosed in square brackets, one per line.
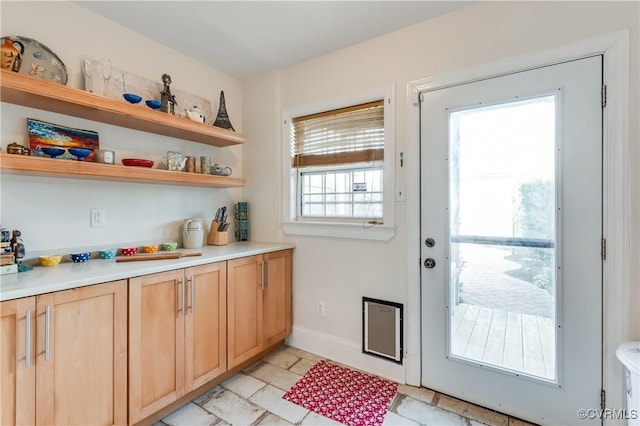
[536, 219]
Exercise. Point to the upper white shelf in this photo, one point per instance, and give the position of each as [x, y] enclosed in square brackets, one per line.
[36, 93]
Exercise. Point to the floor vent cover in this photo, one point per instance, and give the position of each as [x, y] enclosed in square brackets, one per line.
[382, 329]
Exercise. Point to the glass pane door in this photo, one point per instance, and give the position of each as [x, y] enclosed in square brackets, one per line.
[502, 236]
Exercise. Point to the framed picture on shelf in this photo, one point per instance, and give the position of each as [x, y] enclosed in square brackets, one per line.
[55, 141]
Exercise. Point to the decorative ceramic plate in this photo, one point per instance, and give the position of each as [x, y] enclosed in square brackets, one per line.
[137, 162]
[38, 60]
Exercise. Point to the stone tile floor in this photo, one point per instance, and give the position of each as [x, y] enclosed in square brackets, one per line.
[254, 397]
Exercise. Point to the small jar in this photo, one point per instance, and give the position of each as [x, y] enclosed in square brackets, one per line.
[205, 165]
[190, 166]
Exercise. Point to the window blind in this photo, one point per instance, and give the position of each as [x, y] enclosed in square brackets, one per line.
[346, 135]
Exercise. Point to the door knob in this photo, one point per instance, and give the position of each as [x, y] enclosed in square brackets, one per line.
[429, 263]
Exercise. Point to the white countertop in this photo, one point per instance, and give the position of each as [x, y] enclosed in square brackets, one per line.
[67, 275]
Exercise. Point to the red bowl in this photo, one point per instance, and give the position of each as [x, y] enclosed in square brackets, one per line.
[138, 162]
[129, 251]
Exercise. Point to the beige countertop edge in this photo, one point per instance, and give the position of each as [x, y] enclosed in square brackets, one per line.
[67, 275]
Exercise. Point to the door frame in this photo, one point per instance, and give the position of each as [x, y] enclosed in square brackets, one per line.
[616, 192]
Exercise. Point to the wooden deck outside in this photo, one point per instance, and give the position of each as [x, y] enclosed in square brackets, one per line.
[520, 342]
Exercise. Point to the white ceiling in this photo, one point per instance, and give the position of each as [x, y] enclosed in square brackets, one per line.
[245, 38]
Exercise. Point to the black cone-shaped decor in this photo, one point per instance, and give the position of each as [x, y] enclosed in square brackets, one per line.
[222, 120]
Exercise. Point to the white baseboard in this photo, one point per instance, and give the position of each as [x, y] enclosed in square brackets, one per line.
[345, 352]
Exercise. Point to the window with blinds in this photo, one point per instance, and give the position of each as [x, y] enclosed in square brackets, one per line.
[347, 135]
[338, 157]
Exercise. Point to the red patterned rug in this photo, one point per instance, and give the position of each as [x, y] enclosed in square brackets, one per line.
[344, 395]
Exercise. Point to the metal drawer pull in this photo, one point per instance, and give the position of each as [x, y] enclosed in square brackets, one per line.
[191, 296]
[47, 323]
[181, 301]
[27, 337]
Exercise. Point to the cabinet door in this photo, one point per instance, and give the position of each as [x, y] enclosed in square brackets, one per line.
[17, 362]
[276, 299]
[156, 342]
[81, 372]
[244, 306]
[205, 324]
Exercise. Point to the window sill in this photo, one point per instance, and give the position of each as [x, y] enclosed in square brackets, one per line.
[340, 230]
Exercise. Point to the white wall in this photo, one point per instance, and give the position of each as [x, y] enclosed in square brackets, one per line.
[339, 271]
[53, 213]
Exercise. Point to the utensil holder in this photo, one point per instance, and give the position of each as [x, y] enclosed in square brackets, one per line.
[215, 237]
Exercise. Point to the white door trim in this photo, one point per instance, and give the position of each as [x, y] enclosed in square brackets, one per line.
[616, 193]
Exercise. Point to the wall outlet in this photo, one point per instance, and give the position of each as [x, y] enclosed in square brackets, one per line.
[321, 308]
[98, 218]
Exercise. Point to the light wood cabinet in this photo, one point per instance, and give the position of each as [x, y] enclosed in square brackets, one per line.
[276, 298]
[17, 362]
[63, 355]
[258, 303]
[244, 308]
[205, 324]
[76, 370]
[177, 335]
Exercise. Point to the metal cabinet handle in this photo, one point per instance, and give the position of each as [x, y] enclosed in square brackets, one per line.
[27, 337]
[262, 274]
[47, 323]
[181, 301]
[268, 280]
[191, 296]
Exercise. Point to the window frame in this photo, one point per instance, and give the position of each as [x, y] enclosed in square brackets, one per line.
[341, 227]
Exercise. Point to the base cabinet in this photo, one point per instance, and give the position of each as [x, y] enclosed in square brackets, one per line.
[177, 335]
[118, 352]
[64, 357]
[259, 303]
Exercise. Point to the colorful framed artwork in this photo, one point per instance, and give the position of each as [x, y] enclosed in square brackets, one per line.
[54, 141]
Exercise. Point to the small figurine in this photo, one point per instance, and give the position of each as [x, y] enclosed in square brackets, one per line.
[17, 245]
[222, 120]
[167, 99]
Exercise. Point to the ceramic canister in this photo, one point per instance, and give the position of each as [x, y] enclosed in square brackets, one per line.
[205, 165]
[193, 233]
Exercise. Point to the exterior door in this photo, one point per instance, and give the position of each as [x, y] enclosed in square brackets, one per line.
[511, 231]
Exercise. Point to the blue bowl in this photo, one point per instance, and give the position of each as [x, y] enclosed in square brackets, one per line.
[107, 254]
[131, 97]
[153, 104]
[80, 257]
[79, 152]
[53, 152]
